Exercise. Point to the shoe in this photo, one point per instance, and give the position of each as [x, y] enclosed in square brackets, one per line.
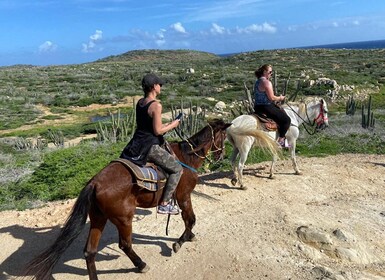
[284, 144]
[168, 209]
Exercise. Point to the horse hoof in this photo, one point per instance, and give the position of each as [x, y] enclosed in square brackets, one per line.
[243, 187]
[175, 247]
[192, 239]
[234, 181]
[144, 269]
[298, 173]
[271, 176]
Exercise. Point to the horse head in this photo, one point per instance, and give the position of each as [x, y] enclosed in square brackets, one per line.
[218, 131]
[322, 120]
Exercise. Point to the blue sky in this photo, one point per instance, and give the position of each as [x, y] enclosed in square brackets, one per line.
[56, 32]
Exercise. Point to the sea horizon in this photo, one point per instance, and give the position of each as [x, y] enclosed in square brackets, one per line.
[360, 45]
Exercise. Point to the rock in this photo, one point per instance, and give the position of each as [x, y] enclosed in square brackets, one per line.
[340, 235]
[220, 106]
[313, 236]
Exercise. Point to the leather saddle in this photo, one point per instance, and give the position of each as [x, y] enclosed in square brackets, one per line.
[265, 122]
[150, 176]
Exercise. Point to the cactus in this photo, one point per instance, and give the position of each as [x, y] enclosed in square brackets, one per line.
[118, 129]
[191, 122]
[56, 137]
[368, 119]
[350, 106]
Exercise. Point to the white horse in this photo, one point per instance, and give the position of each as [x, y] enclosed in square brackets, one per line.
[241, 133]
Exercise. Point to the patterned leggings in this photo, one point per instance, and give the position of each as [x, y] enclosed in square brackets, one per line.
[168, 163]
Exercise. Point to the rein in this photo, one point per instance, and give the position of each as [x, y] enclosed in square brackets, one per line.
[210, 150]
[308, 122]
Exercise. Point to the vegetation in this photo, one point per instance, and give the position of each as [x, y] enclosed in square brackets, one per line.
[35, 167]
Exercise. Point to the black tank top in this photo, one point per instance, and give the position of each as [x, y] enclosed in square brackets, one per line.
[143, 119]
[144, 137]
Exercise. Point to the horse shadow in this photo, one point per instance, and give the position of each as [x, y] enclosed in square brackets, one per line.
[209, 179]
[36, 240]
[377, 163]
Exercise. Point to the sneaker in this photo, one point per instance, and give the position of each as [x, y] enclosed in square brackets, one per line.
[284, 144]
[168, 209]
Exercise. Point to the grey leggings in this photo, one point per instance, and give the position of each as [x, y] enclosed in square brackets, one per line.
[168, 163]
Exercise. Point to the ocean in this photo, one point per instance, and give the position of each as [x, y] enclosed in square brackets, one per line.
[378, 44]
[364, 45]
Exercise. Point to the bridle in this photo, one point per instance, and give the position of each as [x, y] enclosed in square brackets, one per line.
[319, 120]
[213, 144]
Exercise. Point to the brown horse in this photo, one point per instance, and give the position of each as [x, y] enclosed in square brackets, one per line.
[113, 195]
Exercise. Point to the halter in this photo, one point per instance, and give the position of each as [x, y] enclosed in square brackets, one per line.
[210, 150]
[319, 120]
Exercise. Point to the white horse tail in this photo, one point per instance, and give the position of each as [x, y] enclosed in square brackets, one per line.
[262, 139]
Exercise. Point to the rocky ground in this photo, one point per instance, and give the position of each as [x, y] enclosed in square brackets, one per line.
[328, 223]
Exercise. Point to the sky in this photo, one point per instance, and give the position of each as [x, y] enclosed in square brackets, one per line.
[61, 32]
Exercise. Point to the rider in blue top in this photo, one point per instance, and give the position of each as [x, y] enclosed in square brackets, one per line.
[265, 102]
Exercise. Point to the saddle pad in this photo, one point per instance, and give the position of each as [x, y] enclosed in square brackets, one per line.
[146, 177]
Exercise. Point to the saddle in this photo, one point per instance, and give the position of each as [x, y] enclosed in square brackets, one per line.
[265, 122]
[150, 176]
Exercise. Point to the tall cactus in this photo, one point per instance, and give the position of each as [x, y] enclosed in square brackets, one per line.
[350, 106]
[191, 122]
[368, 119]
[118, 128]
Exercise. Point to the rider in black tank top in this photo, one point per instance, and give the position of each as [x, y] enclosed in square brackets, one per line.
[144, 136]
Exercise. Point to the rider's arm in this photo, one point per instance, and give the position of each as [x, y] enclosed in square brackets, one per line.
[270, 92]
[155, 111]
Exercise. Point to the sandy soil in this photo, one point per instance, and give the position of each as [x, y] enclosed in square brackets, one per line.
[328, 223]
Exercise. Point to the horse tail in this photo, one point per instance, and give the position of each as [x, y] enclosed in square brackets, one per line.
[262, 139]
[41, 266]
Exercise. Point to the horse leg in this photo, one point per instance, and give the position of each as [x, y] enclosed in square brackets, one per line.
[293, 158]
[189, 219]
[271, 176]
[98, 223]
[125, 243]
[233, 158]
[292, 137]
[243, 152]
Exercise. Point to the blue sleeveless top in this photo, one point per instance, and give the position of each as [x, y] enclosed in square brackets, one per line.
[260, 97]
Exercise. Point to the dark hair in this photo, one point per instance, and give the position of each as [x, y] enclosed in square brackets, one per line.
[259, 72]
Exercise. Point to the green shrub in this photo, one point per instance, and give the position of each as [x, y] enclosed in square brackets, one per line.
[65, 171]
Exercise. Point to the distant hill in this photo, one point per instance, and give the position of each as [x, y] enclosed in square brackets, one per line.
[161, 55]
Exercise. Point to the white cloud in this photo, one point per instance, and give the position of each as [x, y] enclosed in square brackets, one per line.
[47, 46]
[216, 29]
[160, 39]
[91, 46]
[178, 27]
[97, 36]
[255, 28]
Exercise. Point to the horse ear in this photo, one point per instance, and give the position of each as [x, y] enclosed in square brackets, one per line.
[227, 125]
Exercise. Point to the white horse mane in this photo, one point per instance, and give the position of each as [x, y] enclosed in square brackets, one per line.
[304, 104]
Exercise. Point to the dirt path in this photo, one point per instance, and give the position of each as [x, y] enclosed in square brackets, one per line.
[328, 223]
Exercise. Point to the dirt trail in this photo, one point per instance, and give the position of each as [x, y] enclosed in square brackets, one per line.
[328, 223]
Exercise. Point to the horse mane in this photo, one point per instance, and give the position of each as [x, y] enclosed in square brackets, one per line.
[199, 139]
[305, 103]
